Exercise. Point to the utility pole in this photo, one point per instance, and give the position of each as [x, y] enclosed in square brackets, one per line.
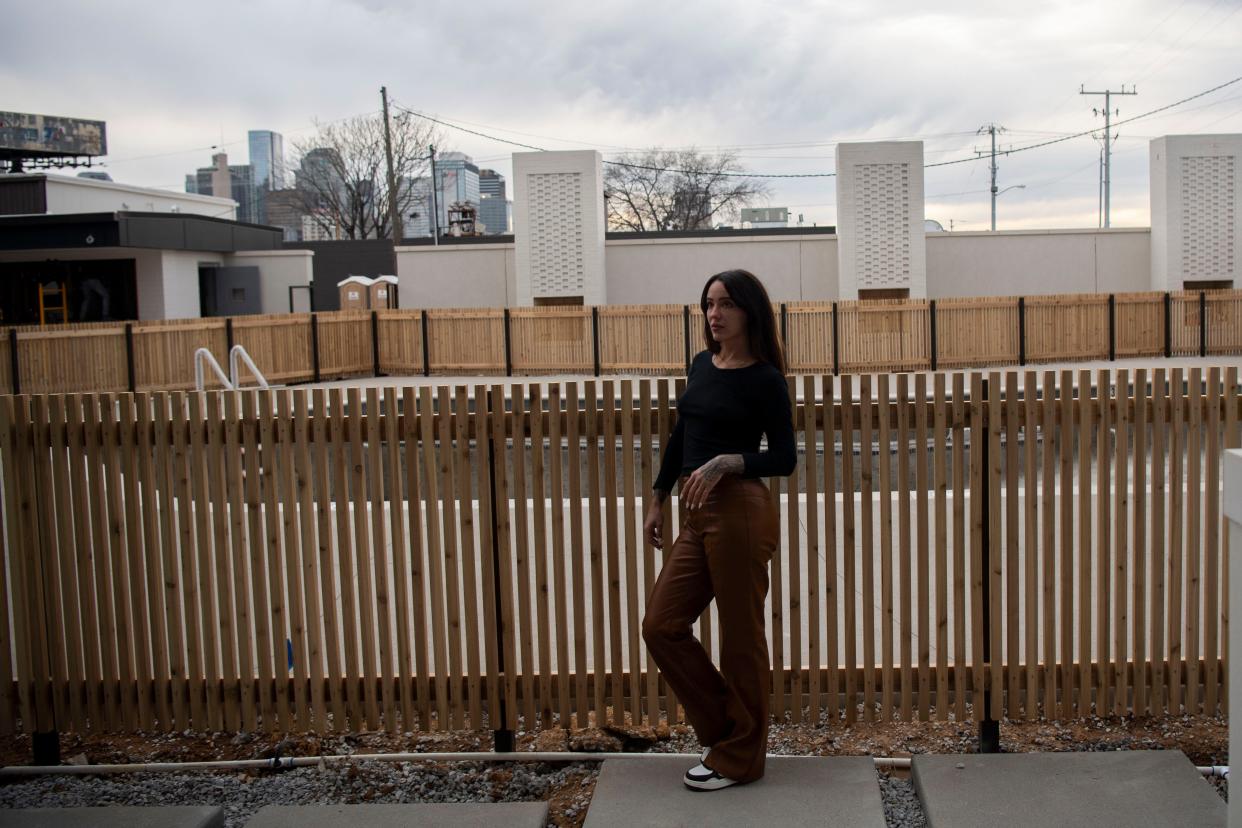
[435, 208]
[394, 207]
[1108, 137]
[991, 129]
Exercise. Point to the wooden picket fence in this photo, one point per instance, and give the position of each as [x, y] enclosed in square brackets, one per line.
[820, 337]
[435, 558]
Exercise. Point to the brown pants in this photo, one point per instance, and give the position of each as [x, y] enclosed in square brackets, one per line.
[722, 552]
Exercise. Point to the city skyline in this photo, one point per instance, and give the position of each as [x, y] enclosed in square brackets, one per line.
[779, 87]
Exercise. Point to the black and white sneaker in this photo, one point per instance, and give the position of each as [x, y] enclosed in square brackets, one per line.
[703, 755]
[703, 778]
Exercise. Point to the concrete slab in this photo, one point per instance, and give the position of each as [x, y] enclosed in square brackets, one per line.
[1121, 788]
[181, 816]
[457, 814]
[795, 790]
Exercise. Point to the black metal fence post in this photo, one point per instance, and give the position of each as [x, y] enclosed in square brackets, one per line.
[1112, 327]
[129, 357]
[426, 345]
[784, 328]
[14, 362]
[228, 335]
[1022, 330]
[1168, 325]
[836, 343]
[502, 737]
[685, 332]
[595, 336]
[375, 352]
[931, 308]
[989, 728]
[315, 346]
[508, 347]
[1202, 324]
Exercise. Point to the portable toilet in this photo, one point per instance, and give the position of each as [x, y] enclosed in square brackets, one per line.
[355, 292]
[384, 292]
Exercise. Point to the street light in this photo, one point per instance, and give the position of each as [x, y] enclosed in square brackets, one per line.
[996, 193]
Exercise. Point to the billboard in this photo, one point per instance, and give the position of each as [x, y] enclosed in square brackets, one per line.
[23, 135]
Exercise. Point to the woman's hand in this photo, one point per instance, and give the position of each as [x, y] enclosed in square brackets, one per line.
[653, 526]
[701, 482]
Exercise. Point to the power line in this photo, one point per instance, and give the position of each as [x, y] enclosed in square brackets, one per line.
[1010, 151]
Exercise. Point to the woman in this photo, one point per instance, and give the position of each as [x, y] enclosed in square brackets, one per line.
[735, 393]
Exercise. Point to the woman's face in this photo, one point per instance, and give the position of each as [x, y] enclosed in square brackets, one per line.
[726, 320]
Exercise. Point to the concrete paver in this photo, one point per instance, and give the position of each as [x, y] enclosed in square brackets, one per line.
[1120, 788]
[457, 814]
[182, 816]
[795, 790]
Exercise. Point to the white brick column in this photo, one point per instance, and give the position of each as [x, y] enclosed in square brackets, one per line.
[1196, 210]
[558, 225]
[880, 239]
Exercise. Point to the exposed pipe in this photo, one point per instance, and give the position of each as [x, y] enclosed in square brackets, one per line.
[1214, 770]
[286, 762]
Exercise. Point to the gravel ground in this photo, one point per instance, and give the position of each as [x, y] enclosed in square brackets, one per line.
[567, 787]
[242, 794]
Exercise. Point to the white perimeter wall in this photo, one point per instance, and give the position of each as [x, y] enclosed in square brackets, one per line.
[278, 271]
[798, 268]
[457, 276]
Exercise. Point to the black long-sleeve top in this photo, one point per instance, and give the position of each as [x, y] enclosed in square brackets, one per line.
[726, 411]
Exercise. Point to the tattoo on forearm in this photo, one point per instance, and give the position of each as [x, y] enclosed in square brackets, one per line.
[718, 467]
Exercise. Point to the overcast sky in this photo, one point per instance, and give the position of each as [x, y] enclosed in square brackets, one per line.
[779, 84]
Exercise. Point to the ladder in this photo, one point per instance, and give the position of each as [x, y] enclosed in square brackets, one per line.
[53, 291]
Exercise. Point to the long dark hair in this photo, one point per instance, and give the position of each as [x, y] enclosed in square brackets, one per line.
[748, 293]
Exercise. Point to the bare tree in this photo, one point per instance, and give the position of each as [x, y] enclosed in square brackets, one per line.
[676, 190]
[342, 182]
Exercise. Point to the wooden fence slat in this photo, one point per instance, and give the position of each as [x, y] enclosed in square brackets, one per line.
[1138, 601]
[922, 517]
[905, 570]
[559, 583]
[613, 559]
[996, 558]
[831, 591]
[961, 580]
[1121, 547]
[171, 576]
[449, 528]
[581, 704]
[113, 461]
[312, 654]
[630, 516]
[1211, 547]
[1082, 657]
[849, 550]
[1030, 534]
[1159, 542]
[522, 554]
[362, 564]
[1102, 556]
[814, 595]
[1012, 530]
[147, 450]
[490, 543]
[379, 587]
[416, 433]
[469, 556]
[435, 567]
[941, 482]
[792, 554]
[237, 641]
[1048, 537]
[1232, 440]
[540, 550]
[978, 479]
[400, 594]
[325, 434]
[1194, 550]
[346, 562]
[69, 662]
[1177, 443]
[263, 674]
[866, 417]
[276, 559]
[506, 711]
[135, 564]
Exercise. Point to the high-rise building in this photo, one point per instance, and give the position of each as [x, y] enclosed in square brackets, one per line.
[457, 180]
[225, 180]
[417, 207]
[267, 167]
[495, 212]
